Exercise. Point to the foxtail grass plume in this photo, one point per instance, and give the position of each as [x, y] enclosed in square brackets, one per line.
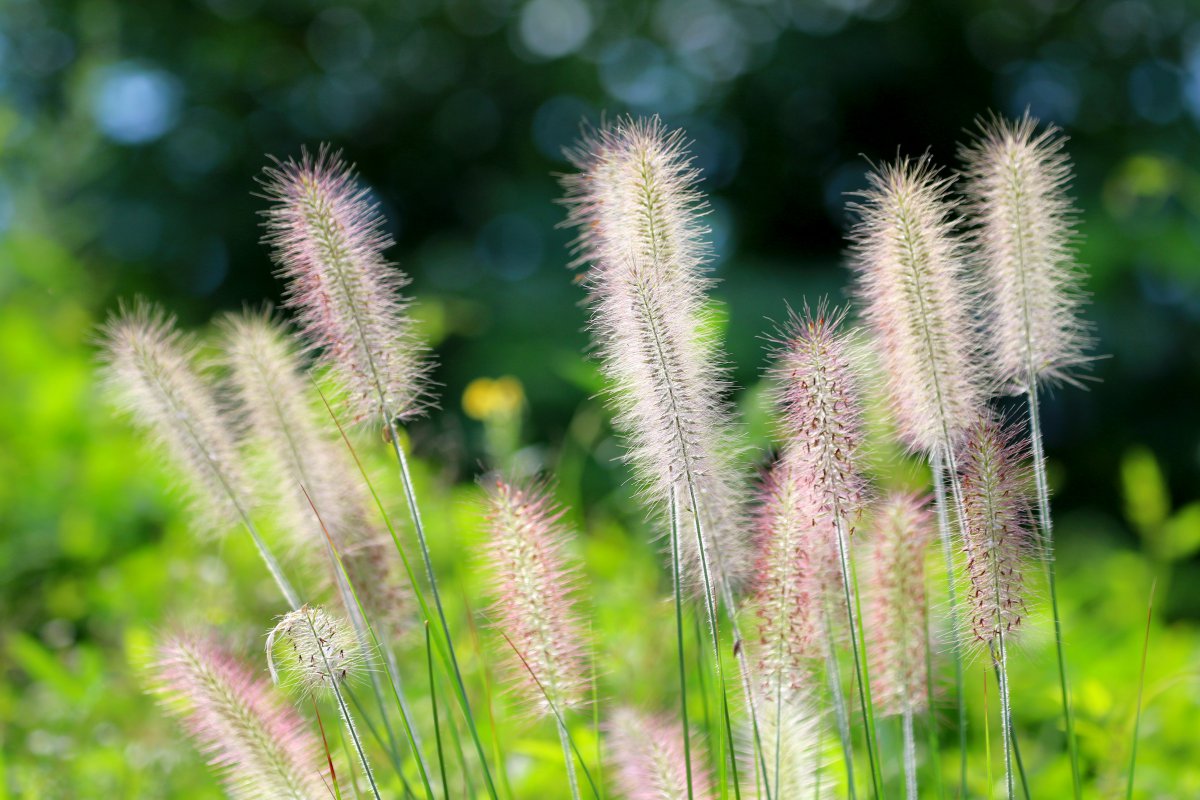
[532, 583]
[150, 368]
[909, 261]
[260, 746]
[897, 614]
[638, 210]
[646, 754]
[789, 733]
[327, 239]
[997, 537]
[302, 462]
[322, 651]
[796, 572]
[1016, 184]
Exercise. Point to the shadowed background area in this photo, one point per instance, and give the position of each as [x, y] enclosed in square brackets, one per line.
[131, 134]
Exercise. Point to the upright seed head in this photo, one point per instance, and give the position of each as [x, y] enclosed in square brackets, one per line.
[648, 761]
[639, 213]
[321, 651]
[909, 262]
[260, 746]
[1016, 182]
[328, 239]
[533, 586]
[150, 368]
[896, 615]
[789, 732]
[997, 534]
[797, 570]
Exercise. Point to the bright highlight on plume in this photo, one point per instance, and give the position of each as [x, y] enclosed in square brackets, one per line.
[322, 650]
[639, 213]
[327, 239]
[1016, 181]
[533, 584]
[646, 753]
[910, 266]
[896, 613]
[150, 368]
[997, 537]
[789, 731]
[262, 749]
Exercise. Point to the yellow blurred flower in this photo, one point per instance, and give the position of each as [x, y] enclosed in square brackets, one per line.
[493, 399]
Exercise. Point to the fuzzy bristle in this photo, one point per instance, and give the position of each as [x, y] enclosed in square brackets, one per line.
[646, 753]
[789, 734]
[259, 745]
[303, 466]
[327, 239]
[150, 368]
[1016, 182]
[532, 583]
[896, 615]
[916, 295]
[322, 650]
[797, 572]
[638, 211]
[997, 535]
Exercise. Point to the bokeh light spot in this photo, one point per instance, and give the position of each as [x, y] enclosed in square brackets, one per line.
[134, 104]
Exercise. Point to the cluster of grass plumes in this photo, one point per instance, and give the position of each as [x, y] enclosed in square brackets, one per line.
[260, 432]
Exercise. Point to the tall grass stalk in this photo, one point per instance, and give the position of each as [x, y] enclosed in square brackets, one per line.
[947, 537]
[1137, 717]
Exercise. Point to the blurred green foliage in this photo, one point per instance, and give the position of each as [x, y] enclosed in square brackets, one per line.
[129, 135]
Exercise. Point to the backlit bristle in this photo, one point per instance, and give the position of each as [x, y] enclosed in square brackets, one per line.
[917, 298]
[639, 213]
[647, 757]
[327, 238]
[322, 651]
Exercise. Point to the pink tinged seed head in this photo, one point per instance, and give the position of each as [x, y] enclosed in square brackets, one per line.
[1024, 226]
[647, 757]
[896, 613]
[817, 393]
[532, 582]
[638, 210]
[314, 650]
[909, 263]
[259, 745]
[997, 535]
[150, 369]
[796, 572]
[327, 239]
[299, 459]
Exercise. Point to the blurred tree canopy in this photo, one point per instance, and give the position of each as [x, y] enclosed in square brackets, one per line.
[131, 134]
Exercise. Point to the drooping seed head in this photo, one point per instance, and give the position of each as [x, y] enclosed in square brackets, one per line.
[150, 368]
[896, 613]
[532, 583]
[997, 533]
[1016, 181]
[259, 745]
[327, 239]
[647, 757]
[909, 263]
[639, 213]
[314, 649]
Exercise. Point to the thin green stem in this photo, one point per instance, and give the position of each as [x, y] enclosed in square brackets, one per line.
[947, 537]
[1137, 719]
[1000, 661]
[568, 759]
[437, 728]
[676, 578]
[833, 675]
[910, 753]
[1045, 520]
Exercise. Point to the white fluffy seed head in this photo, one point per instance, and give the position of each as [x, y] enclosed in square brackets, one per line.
[1023, 227]
[789, 732]
[641, 236]
[150, 369]
[896, 612]
[314, 650]
[910, 265]
[327, 239]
